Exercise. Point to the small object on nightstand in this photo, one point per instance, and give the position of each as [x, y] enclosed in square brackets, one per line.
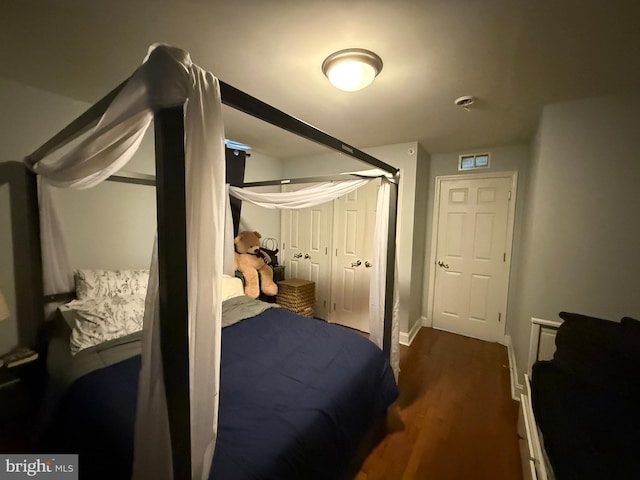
[278, 273]
[18, 356]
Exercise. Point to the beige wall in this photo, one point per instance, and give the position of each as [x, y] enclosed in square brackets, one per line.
[110, 226]
[253, 218]
[30, 117]
[580, 241]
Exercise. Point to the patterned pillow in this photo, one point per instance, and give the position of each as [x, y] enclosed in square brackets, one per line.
[100, 319]
[108, 283]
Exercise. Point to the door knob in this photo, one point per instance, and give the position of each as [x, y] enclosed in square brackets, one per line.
[297, 255]
[357, 263]
[368, 264]
[307, 256]
[442, 264]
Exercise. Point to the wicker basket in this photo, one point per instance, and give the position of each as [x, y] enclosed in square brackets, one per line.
[297, 295]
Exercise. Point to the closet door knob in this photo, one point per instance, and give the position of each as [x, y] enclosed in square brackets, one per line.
[357, 263]
[307, 256]
[442, 264]
[368, 264]
[297, 255]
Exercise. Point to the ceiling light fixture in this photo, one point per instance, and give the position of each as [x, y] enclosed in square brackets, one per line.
[352, 69]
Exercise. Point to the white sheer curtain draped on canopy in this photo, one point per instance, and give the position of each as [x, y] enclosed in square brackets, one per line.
[167, 78]
[306, 197]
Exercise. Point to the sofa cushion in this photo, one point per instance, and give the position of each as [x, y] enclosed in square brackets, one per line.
[592, 349]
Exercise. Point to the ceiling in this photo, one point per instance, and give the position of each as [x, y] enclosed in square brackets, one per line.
[515, 56]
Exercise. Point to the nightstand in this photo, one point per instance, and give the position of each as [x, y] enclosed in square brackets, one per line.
[20, 394]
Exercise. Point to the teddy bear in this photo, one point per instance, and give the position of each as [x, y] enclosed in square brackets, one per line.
[252, 261]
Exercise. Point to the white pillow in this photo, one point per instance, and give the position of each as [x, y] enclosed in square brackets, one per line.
[231, 287]
[100, 319]
[108, 283]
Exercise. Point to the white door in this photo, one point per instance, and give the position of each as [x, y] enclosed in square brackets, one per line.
[306, 234]
[353, 247]
[472, 268]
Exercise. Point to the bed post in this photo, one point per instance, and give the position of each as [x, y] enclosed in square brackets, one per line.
[391, 262]
[172, 277]
[27, 261]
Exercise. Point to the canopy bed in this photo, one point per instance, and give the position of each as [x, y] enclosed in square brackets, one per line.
[176, 396]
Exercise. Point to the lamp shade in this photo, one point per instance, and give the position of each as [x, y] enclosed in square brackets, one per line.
[4, 309]
[352, 69]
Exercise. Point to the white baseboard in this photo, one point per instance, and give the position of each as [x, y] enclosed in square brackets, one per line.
[407, 338]
[516, 387]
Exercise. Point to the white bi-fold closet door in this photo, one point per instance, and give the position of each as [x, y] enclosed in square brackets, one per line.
[332, 245]
[305, 252]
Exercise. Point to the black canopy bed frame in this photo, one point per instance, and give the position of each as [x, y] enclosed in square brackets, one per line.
[27, 264]
[171, 220]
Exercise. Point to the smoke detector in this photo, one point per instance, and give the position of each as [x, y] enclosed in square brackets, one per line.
[465, 101]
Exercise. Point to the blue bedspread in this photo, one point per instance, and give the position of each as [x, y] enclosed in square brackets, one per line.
[297, 396]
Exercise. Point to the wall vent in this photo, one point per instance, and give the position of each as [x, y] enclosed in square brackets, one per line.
[474, 161]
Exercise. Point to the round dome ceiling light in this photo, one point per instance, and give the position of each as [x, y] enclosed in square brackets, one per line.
[352, 69]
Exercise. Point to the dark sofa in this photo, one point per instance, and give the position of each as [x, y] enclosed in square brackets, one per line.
[586, 400]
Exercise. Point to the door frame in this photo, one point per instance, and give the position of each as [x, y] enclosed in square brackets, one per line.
[511, 211]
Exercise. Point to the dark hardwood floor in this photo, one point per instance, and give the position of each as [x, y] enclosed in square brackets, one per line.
[454, 419]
